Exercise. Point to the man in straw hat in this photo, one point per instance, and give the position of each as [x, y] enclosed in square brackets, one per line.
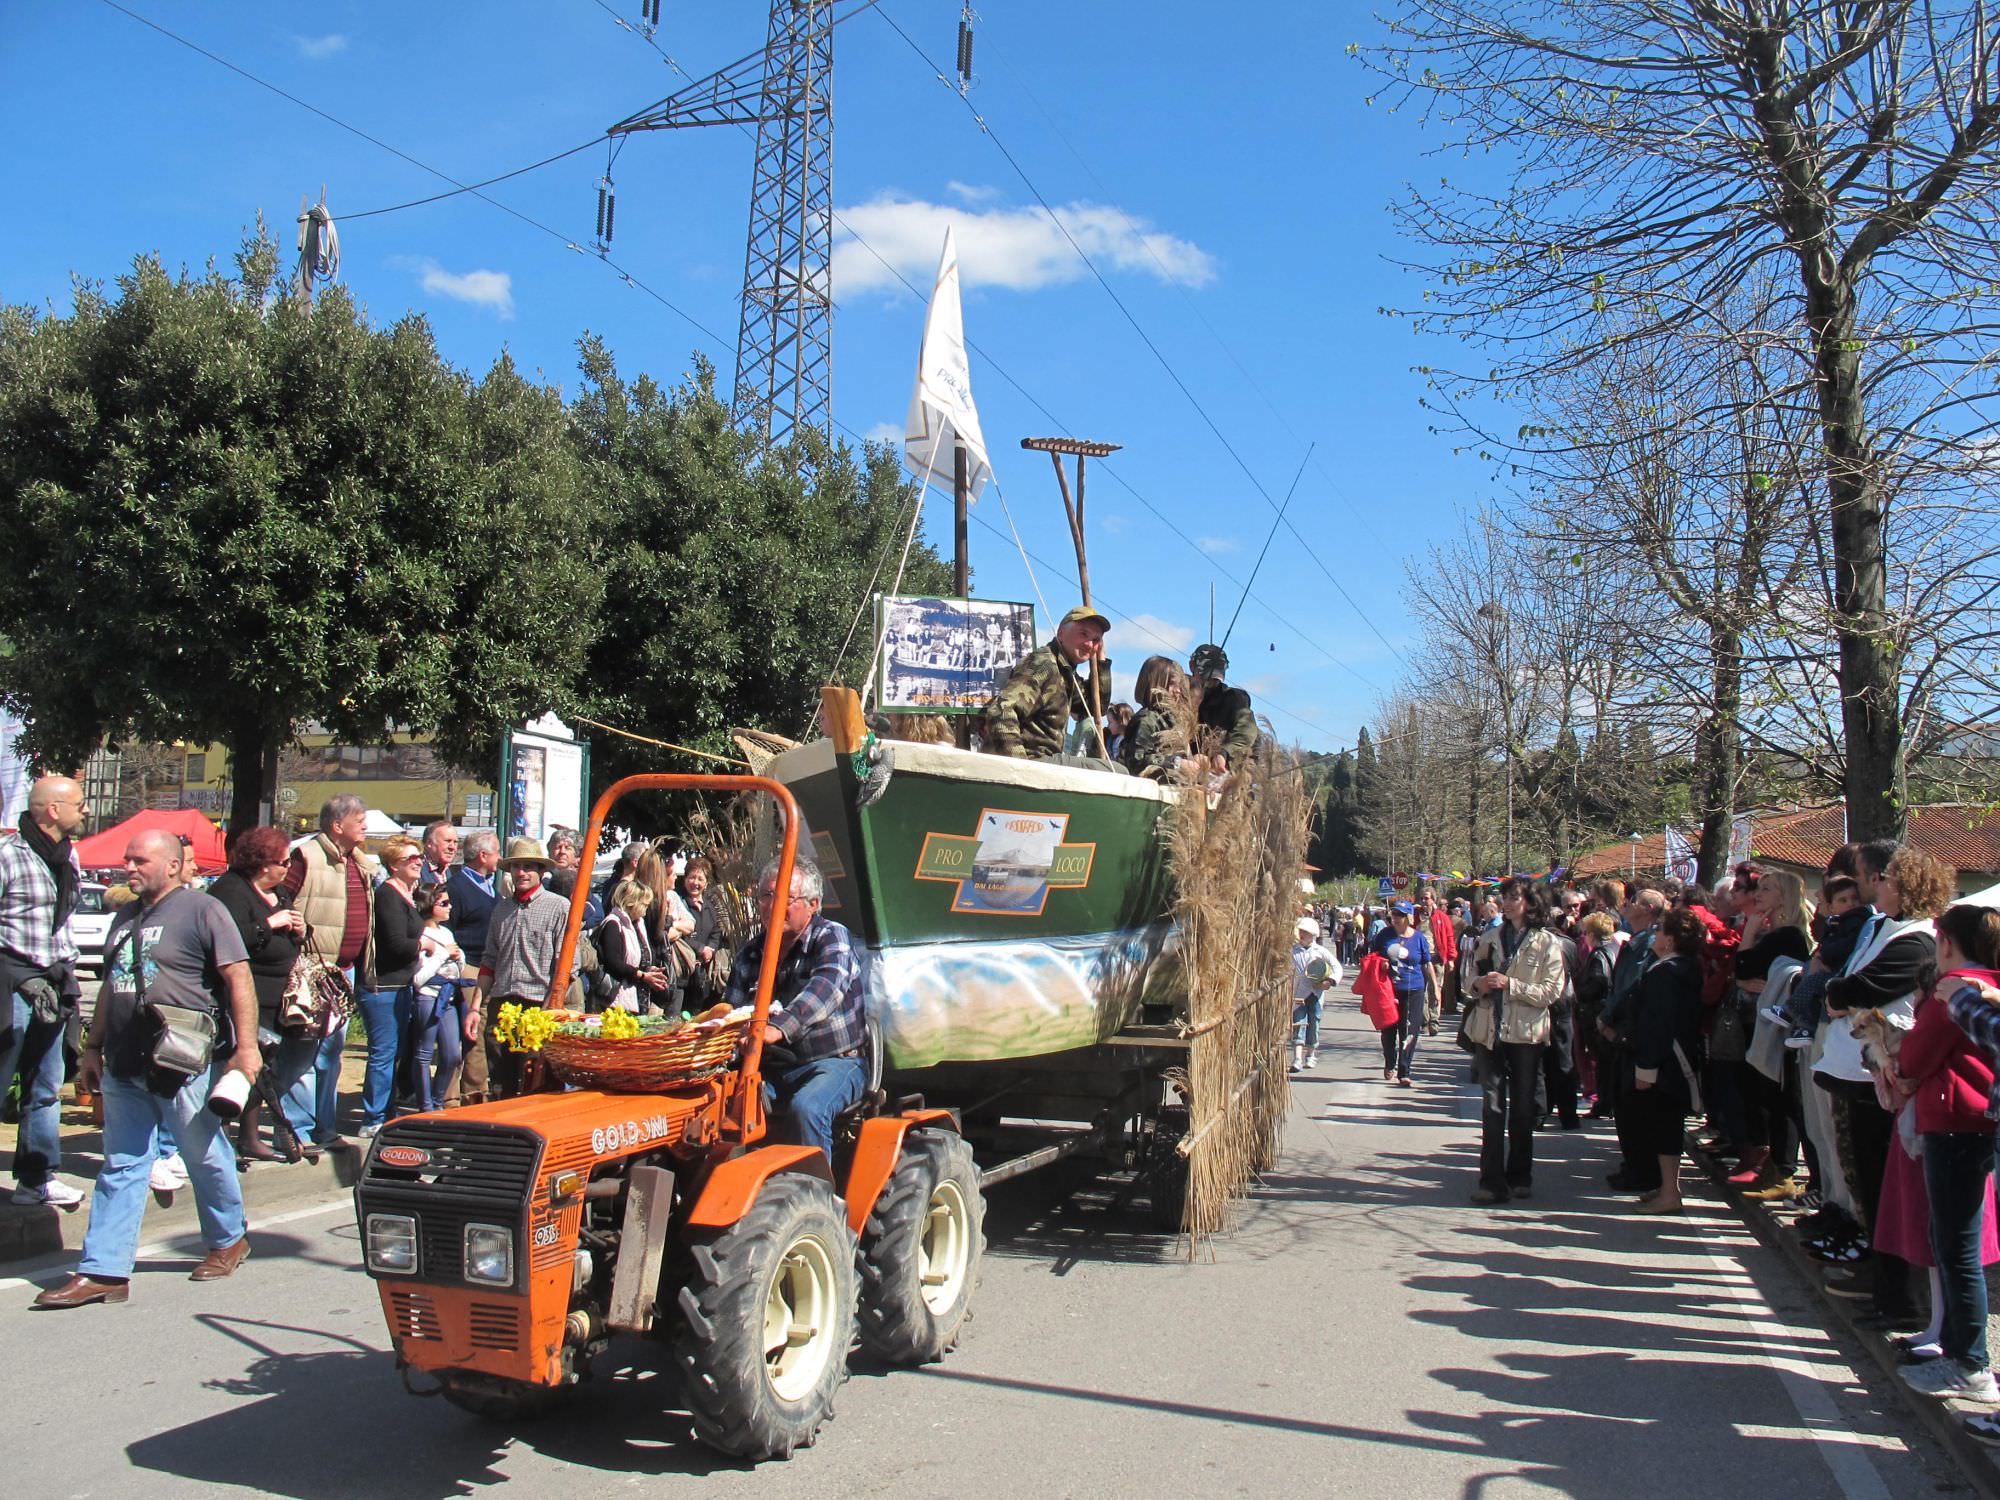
[518, 965]
[1043, 693]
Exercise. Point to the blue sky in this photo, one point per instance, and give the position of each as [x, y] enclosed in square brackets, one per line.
[1219, 162]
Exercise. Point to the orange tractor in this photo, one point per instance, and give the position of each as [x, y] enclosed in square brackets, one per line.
[511, 1240]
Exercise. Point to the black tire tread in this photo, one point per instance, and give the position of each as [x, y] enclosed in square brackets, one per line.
[721, 1366]
[895, 1325]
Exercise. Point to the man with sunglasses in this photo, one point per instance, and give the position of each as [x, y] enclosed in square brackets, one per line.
[815, 1043]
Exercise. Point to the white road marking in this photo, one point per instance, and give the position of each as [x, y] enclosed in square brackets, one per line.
[1844, 1450]
[49, 1263]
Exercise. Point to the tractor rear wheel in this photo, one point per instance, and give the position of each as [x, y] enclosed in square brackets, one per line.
[920, 1252]
[764, 1320]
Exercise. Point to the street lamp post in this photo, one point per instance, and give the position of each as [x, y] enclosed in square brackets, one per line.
[1635, 856]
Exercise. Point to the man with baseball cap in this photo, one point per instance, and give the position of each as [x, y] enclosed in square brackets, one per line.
[1221, 708]
[1043, 693]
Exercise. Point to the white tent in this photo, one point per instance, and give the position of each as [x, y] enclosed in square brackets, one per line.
[381, 825]
[1988, 897]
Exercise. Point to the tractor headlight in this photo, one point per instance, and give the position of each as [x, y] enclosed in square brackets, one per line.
[489, 1254]
[392, 1244]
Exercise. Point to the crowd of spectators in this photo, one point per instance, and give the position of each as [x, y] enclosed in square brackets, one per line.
[1835, 1048]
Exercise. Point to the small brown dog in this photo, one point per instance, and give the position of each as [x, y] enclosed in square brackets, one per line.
[1880, 1039]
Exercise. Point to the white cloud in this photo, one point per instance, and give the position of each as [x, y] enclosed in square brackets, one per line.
[967, 192]
[885, 432]
[494, 289]
[316, 48]
[1215, 546]
[1016, 248]
[1114, 524]
[1148, 635]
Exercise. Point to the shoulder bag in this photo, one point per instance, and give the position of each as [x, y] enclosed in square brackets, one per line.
[180, 1039]
[317, 999]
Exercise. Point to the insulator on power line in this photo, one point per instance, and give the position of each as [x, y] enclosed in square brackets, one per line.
[610, 209]
[607, 209]
[602, 199]
[965, 50]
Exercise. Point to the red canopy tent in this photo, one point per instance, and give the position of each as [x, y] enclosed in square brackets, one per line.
[106, 850]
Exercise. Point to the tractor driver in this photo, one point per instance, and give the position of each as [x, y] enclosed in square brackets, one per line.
[817, 1033]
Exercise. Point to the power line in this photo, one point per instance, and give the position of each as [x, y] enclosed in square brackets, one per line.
[986, 129]
[474, 189]
[1208, 560]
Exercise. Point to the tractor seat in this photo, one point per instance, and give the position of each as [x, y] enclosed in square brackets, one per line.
[872, 1098]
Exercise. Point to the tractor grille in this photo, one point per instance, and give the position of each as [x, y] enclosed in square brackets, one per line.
[476, 1174]
[413, 1315]
[496, 1326]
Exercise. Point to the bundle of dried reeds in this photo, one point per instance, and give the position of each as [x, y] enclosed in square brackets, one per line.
[1235, 867]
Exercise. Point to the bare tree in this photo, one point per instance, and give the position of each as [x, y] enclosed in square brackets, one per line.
[1663, 153]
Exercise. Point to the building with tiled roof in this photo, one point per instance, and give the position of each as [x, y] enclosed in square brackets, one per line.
[1964, 835]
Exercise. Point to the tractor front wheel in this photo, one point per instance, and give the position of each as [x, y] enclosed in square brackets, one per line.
[920, 1252]
[764, 1321]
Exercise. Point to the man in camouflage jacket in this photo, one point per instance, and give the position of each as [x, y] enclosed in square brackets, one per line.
[1043, 693]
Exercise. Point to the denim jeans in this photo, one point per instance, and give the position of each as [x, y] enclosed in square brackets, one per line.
[387, 1014]
[1507, 1075]
[35, 1048]
[293, 1063]
[1956, 1167]
[437, 1032]
[812, 1093]
[133, 1115]
[1399, 1042]
[1305, 1023]
[325, 1084]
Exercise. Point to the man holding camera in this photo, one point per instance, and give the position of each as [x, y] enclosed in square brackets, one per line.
[173, 955]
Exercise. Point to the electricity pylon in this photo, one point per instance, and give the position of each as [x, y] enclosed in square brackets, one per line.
[784, 340]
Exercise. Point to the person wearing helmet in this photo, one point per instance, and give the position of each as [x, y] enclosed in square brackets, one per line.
[1043, 693]
[1221, 708]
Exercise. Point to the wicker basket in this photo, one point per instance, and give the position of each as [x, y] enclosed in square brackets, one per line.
[643, 1064]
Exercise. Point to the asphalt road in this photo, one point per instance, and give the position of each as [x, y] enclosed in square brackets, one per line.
[1363, 1331]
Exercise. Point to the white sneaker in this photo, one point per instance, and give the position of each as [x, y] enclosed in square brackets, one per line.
[163, 1181]
[1312, 1061]
[176, 1168]
[1948, 1378]
[54, 1192]
[368, 1132]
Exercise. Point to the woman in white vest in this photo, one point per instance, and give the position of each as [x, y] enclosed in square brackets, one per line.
[1893, 957]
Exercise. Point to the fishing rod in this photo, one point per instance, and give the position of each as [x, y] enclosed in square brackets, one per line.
[1276, 522]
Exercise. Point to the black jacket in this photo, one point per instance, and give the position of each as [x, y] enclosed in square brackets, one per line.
[1666, 1010]
[272, 953]
[399, 935]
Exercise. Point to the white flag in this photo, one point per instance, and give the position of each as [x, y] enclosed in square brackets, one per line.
[941, 411]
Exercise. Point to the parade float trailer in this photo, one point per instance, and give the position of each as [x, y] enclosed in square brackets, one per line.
[1062, 962]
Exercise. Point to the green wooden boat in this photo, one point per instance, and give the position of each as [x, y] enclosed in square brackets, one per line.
[1012, 908]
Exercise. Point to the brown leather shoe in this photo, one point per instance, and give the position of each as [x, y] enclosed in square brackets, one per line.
[81, 1291]
[220, 1263]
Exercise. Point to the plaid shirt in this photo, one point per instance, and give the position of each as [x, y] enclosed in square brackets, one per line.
[27, 905]
[819, 985]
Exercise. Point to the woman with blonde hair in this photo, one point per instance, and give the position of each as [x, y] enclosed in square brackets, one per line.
[1778, 927]
[625, 948]
[388, 1004]
[668, 922]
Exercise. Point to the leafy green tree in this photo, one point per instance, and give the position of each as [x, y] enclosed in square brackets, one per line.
[733, 575]
[240, 512]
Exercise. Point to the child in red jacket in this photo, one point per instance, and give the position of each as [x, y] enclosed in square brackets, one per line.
[1951, 1079]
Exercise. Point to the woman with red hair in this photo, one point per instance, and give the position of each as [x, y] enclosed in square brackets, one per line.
[273, 931]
